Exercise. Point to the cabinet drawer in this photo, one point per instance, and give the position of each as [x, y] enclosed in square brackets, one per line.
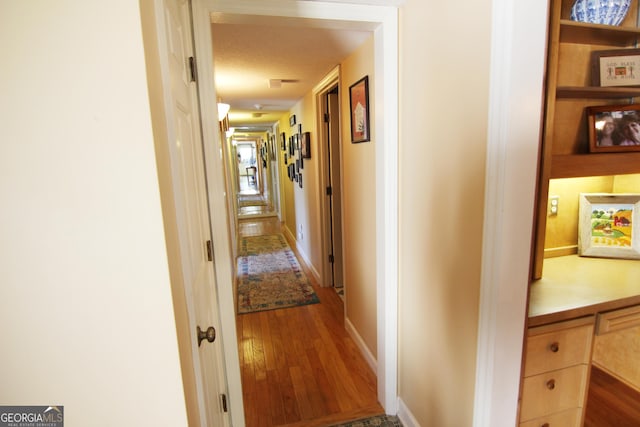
[553, 392]
[570, 418]
[557, 346]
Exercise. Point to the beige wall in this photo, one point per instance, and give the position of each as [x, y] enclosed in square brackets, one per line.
[288, 208]
[359, 201]
[85, 302]
[307, 208]
[444, 75]
[562, 229]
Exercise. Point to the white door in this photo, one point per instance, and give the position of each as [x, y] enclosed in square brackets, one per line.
[187, 164]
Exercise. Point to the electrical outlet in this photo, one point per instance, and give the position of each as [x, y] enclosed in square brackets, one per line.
[554, 205]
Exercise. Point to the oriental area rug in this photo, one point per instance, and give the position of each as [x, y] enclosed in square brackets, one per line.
[269, 276]
[380, 420]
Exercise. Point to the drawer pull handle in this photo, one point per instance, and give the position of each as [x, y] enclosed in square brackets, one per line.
[545, 425]
[551, 384]
[554, 347]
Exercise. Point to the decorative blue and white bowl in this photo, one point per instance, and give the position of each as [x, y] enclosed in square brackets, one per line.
[608, 12]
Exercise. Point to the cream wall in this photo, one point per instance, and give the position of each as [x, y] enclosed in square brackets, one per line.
[444, 78]
[307, 203]
[85, 302]
[286, 188]
[359, 201]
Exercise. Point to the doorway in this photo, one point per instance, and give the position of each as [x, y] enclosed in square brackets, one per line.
[383, 22]
[328, 106]
[247, 167]
[255, 183]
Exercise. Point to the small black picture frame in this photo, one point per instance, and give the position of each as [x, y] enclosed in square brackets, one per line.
[292, 120]
[283, 141]
[305, 145]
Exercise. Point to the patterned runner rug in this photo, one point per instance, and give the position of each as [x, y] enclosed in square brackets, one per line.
[269, 276]
[251, 200]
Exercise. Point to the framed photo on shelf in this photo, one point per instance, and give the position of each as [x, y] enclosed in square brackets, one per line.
[617, 67]
[614, 128]
[609, 225]
[359, 110]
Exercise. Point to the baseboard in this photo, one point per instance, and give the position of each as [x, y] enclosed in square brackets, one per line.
[351, 330]
[406, 417]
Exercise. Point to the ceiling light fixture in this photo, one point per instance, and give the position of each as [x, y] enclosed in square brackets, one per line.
[275, 83]
[223, 110]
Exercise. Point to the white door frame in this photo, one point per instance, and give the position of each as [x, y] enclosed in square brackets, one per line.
[517, 75]
[332, 79]
[383, 21]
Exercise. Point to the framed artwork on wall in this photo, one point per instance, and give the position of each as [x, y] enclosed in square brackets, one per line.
[305, 148]
[359, 109]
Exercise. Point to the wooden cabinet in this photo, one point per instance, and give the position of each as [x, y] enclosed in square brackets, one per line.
[616, 348]
[556, 373]
[565, 144]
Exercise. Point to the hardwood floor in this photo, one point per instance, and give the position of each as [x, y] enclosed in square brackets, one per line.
[299, 366]
[611, 403]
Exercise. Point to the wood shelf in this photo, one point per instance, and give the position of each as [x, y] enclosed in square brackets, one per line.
[594, 164]
[597, 34]
[596, 92]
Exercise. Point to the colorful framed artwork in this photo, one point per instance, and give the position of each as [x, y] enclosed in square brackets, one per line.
[359, 109]
[614, 128]
[609, 225]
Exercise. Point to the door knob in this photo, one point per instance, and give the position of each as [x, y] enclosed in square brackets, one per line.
[209, 335]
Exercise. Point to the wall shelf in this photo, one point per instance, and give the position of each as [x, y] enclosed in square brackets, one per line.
[581, 165]
[596, 34]
[596, 92]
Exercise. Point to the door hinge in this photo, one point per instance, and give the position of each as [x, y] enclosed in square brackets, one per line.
[329, 191]
[224, 402]
[209, 251]
[326, 117]
[331, 259]
[192, 68]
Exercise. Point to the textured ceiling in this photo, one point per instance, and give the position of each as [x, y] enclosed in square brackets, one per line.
[248, 52]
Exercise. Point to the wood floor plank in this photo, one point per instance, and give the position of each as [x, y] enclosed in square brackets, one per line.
[302, 396]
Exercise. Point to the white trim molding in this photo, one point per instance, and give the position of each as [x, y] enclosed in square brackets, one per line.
[515, 106]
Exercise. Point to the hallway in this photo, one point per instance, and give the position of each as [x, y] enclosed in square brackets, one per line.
[299, 366]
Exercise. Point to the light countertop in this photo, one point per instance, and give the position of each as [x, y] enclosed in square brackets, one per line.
[573, 286]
